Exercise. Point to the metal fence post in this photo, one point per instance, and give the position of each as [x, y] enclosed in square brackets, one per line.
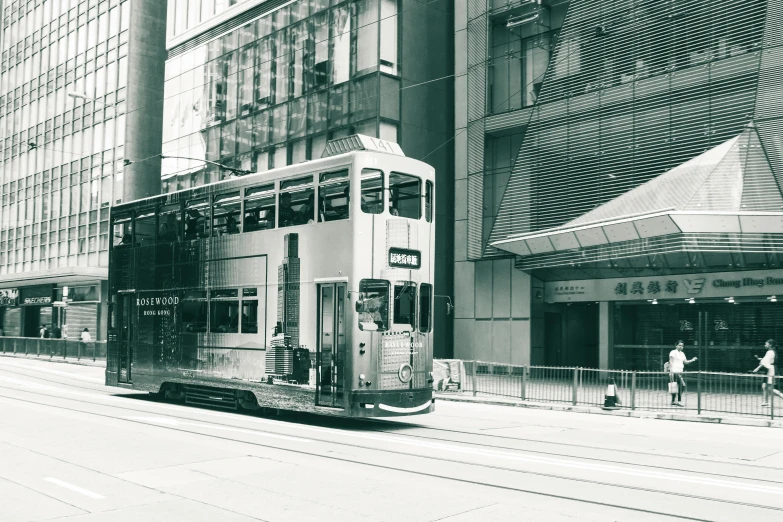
[772, 398]
[574, 386]
[633, 390]
[93, 351]
[698, 393]
[78, 351]
[473, 376]
[524, 383]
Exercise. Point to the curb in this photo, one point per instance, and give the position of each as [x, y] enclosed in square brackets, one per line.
[641, 414]
[80, 362]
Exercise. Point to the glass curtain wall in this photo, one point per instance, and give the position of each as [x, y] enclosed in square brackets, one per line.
[60, 157]
[270, 93]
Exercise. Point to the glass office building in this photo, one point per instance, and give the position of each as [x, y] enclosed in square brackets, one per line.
[614, 155]
[80, 93]
[257, 85]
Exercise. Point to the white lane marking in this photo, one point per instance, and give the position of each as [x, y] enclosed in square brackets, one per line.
[66, 485]
[575, 464]
[168, 421]
[54, 372]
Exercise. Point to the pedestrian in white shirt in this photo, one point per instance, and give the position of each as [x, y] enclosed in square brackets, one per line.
[768, 363]
[677, 362]
[86, 337]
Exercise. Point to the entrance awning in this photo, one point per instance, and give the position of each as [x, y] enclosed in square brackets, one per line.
[55, 275]
[729, 189]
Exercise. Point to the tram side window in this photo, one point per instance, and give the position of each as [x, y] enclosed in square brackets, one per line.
[225, 214]
[297, 202]
[333, 196]
[169, 222]
[428, 200]
[405, 303]
[373, 305]
[196, 215]
[259, 208]
[145, 228]
[404, 195]
[194, 312]
[224, 308]
[123, 232]
[425, 308]
[372, 191]
[249, 310]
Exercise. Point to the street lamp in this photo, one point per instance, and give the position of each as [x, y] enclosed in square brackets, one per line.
[81, 96]
[240, 172]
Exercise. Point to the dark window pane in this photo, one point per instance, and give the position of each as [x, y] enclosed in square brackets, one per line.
[373, 307]
[425, 308]
[372, 191]
[428, 199]
[225, 214]
[259, 208]
[333, 196]
[405, 303]
[196, 215]
[404, 195]
[249, 316]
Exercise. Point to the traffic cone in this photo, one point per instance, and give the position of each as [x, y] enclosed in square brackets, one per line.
[610, 399]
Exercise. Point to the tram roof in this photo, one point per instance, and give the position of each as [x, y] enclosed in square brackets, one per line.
[336, 151]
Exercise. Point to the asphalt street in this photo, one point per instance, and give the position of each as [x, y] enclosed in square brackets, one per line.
[72, 449]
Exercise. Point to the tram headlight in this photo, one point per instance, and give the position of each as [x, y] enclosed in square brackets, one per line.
[405, 373]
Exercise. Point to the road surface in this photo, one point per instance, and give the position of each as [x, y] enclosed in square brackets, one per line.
[73, 449]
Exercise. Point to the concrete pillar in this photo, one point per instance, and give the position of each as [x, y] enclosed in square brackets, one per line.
[605, 335]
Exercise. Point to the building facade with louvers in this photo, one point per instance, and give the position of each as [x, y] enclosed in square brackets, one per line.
[615, 156]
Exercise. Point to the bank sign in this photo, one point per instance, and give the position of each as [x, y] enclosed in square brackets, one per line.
[723, 284]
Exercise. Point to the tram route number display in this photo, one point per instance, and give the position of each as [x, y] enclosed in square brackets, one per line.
[403, 258]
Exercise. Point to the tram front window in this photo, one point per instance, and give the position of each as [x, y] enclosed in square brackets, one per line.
[373, 305]
[404, 195]
[405, 303]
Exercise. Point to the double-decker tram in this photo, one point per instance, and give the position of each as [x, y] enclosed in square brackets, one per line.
[305, 288]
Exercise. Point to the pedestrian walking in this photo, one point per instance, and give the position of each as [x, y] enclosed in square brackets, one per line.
[677, 362]
[768, 363]
[86, 337]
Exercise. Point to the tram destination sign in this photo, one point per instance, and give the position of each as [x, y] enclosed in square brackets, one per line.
[403, 258]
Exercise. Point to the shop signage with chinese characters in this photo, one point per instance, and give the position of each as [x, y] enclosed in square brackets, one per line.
[402, 258]
[723, 284]
[9, 297]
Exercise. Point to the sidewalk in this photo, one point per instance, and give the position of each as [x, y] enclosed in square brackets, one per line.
[70, 360]
[732, 420]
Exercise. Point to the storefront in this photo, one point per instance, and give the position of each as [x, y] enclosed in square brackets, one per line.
[63, 310]
[694, 254]
[723, 318]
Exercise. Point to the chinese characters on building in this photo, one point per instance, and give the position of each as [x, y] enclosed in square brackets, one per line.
[653, 288]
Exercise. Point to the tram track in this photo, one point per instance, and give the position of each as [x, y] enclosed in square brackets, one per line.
[401, 454]
[399, 433]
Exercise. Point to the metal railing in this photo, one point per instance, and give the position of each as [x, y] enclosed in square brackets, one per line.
[731, 393]
[53, 348]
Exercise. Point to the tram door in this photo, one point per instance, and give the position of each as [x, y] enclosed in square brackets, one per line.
[126, 304]
[330, 352]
